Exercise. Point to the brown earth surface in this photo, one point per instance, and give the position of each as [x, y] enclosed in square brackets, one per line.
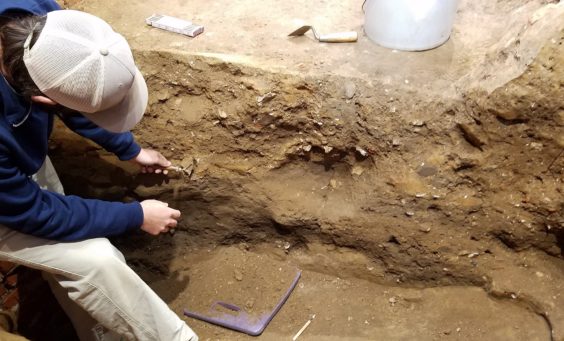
[421, 193]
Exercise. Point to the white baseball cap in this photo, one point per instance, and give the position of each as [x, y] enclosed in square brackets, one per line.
[79, 62]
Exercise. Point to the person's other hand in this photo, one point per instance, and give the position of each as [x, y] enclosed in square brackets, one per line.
[152, 161]
[158, 217]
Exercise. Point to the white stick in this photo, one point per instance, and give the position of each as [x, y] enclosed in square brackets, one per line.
[303, 328]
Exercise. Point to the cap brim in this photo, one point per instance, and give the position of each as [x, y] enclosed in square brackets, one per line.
[125, 115]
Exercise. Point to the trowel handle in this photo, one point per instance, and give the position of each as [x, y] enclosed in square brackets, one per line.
[339, 37]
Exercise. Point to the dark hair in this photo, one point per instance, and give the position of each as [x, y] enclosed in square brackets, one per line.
[13, 34]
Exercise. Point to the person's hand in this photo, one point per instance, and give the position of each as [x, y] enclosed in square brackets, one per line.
[158, 217]
[152, 161]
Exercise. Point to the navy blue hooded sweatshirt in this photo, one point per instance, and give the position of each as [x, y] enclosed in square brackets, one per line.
[24, 132]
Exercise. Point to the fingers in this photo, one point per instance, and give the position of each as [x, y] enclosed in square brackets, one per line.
[158, 217]
[152, 161]
[153, 169]
[170, 224]
[175, 214]
[162, 161]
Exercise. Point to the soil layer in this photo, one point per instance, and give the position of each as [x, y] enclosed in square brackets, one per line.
[425, 207]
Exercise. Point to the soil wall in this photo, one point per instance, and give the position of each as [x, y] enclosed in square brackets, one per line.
[435, 188]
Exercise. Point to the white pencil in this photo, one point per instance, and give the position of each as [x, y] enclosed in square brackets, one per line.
[303, 328]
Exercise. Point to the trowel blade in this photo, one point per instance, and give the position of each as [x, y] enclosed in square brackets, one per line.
[300, 31]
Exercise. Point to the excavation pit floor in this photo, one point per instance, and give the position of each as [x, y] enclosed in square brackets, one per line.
[255, 278]
[420, 193]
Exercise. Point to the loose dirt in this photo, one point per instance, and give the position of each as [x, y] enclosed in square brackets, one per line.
[421, 193]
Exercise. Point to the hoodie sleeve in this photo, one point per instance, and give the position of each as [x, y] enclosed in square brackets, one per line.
[121, 144]
[27, 208]
[38, 7]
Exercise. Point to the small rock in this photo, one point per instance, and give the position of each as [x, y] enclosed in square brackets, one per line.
[327, 149]
[425, 229]
[392, 300]
[238, 132]
[222, 114]
[536, 146]
[410, 213]
[560, 117]
[426, 170]
[473, 254]
[420, 195]
[307, 148]
[361, 151]
[266, 97]
[396, 142]
[244, 246]
[508, 115]
[333, 183]
[357, 170]
[163, 95]
[473, 135]
[412, 296]
[238, 275]
[417, 123]
[350, 90]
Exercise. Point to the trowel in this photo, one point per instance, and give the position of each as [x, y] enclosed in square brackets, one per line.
[187, 171]
[337, 37]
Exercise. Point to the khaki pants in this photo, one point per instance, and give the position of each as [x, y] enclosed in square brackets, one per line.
[94, 284]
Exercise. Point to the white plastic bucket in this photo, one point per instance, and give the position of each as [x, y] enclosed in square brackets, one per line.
[410, 25]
